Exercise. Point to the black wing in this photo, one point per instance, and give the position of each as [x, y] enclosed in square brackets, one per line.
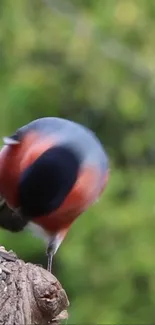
[9, 220]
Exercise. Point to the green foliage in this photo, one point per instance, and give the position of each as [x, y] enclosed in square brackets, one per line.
[93, 62]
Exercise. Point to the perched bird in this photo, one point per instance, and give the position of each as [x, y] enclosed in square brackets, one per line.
[51, 170]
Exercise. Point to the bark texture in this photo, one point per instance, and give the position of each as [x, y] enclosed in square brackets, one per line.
[29, 294]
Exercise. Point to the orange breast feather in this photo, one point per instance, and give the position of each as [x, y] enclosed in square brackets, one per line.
[86, 190]
[14, 159]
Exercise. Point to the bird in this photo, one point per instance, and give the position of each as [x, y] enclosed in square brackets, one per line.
[51, 171]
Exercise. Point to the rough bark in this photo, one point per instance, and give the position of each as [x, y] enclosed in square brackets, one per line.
[29, 294]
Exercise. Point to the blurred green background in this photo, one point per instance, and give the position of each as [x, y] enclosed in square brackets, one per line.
[92, 61]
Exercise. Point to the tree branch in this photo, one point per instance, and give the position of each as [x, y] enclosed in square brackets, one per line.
[29, 294]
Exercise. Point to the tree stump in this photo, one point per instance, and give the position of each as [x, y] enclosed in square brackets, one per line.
[29, 294]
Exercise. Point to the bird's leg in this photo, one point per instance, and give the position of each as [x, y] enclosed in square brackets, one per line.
[50, 254]
[54, 243]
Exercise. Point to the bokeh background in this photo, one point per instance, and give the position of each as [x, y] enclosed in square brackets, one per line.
[92, 61]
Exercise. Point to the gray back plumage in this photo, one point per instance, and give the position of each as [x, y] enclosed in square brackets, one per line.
[82, 140]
